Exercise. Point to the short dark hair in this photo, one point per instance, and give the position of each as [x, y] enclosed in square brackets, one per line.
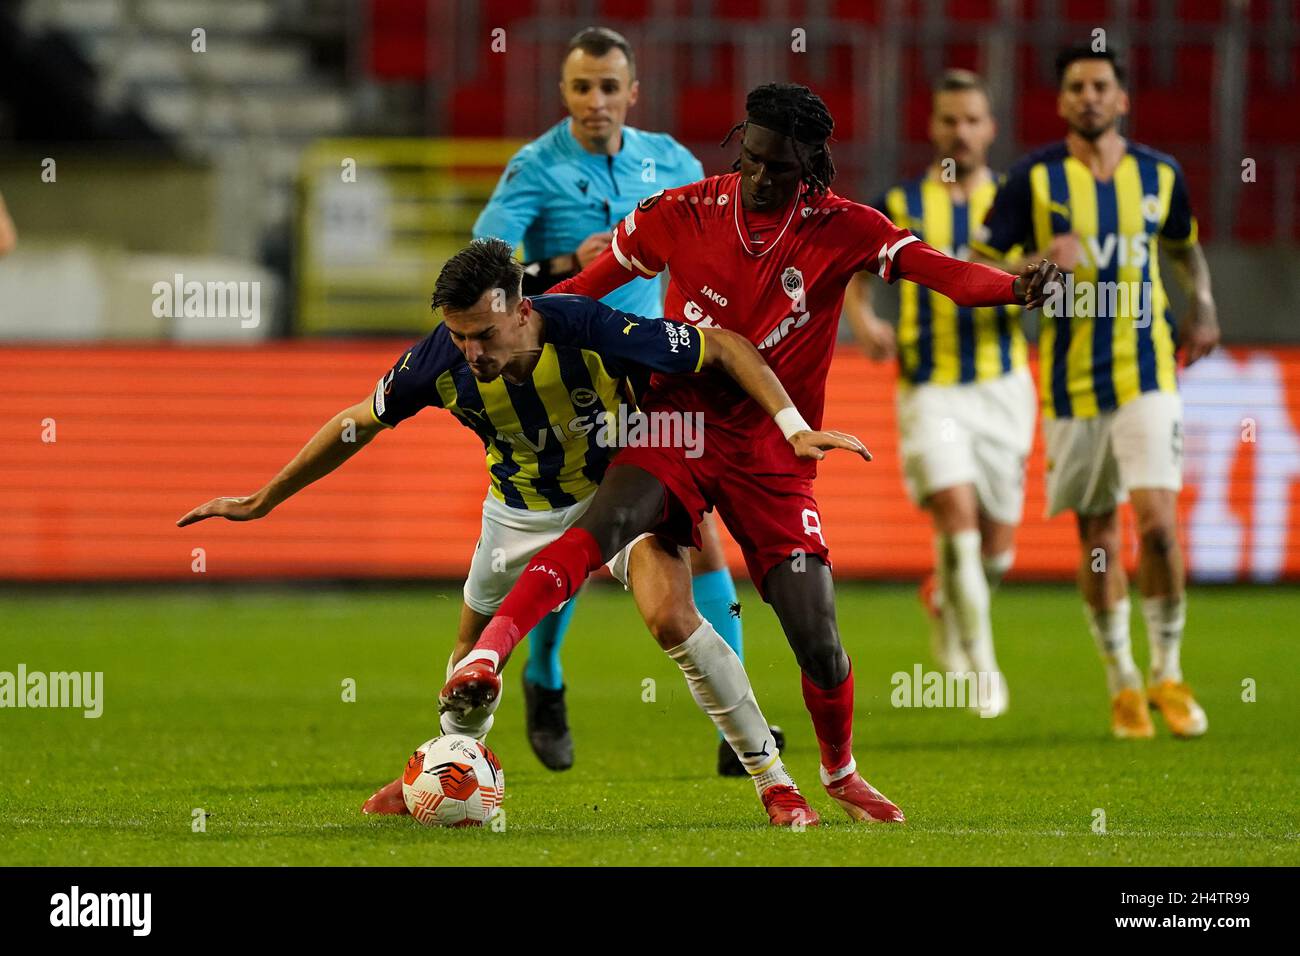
[483, 264]
[957, 81]
[799, 113]
[1084, 52]
[600, 40]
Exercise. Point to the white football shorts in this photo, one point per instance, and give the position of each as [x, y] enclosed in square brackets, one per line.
[978, 433]
[1092, 463]
[507, 542]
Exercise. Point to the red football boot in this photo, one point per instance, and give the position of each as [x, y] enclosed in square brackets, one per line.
[862, 801]
[470, 687]
[786, 806]
[387, 800]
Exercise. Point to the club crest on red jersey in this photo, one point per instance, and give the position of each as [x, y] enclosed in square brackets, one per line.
[792, 283]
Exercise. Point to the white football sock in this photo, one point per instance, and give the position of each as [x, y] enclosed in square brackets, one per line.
[1110, 631]
[945, 630]
[997, 565]
[831, 779]
[967, 592]
[720, 686]
[474, 724]
[1165, 618]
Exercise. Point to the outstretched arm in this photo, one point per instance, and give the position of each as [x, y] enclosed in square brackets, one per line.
[337, 440]
[970, 283]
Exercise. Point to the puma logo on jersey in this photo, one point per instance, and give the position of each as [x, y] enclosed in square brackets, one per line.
[1059, 208]
[631, 324]
[784, 328]
[404, 366]
[716, 297]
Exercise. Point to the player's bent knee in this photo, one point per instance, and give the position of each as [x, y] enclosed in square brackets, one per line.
[1159, 540]
[826, 664]
[672, 630]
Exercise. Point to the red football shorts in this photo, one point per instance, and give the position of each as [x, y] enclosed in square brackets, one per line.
[756, 486]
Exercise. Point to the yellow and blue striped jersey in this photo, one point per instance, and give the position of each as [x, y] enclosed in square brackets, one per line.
[939, 341]
[1110, 336]
[549, 439]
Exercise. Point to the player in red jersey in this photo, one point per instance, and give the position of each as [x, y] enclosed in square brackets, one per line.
[766, 251]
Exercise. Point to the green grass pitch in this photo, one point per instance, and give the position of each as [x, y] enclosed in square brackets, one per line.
[231, 701]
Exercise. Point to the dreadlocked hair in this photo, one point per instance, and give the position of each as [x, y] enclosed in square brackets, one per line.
[800, 114]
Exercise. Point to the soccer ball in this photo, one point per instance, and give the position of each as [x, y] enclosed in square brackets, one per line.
[453, 781]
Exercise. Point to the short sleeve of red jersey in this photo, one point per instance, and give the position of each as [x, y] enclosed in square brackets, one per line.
[644, 239]
[874, 240]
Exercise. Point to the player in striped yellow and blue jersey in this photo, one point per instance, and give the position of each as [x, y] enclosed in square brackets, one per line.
[965, 398]
[547, 438]
[939, 341]
[1103, 208]
[542, 383]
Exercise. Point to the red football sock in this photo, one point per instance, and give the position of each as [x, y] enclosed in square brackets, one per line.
[553, 576]
[832, 717]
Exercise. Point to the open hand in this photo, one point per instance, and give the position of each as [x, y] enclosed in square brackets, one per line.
[246, 508]
[810, 444]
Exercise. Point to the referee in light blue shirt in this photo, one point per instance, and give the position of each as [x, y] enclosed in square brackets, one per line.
[561, 196]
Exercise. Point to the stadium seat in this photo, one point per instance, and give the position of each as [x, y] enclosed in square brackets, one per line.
[705, 113]
[1256, 206]
[1166, 118]
[972, 11]
[1271, 117]
[476, 110]
[398, 48]
[855, 11]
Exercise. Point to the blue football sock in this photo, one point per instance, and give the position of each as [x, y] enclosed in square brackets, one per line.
[715, 596]
[544, 642]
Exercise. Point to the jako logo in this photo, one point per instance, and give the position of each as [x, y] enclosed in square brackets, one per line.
[555, 575]
[103, 909]
[710, 294]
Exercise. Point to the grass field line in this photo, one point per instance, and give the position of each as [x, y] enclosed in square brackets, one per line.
[269, 825]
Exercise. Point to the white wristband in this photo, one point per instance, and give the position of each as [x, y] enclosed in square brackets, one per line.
[790, 421]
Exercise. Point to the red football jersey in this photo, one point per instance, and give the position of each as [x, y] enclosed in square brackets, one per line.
[777, 279]
[784, 295]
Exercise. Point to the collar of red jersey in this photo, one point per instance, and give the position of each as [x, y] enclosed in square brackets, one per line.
[740, 232]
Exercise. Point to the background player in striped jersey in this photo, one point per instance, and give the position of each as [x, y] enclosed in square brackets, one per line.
[776, 248]
[560, 196]
[540, 383]
[1103, 207]
[965, 395]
